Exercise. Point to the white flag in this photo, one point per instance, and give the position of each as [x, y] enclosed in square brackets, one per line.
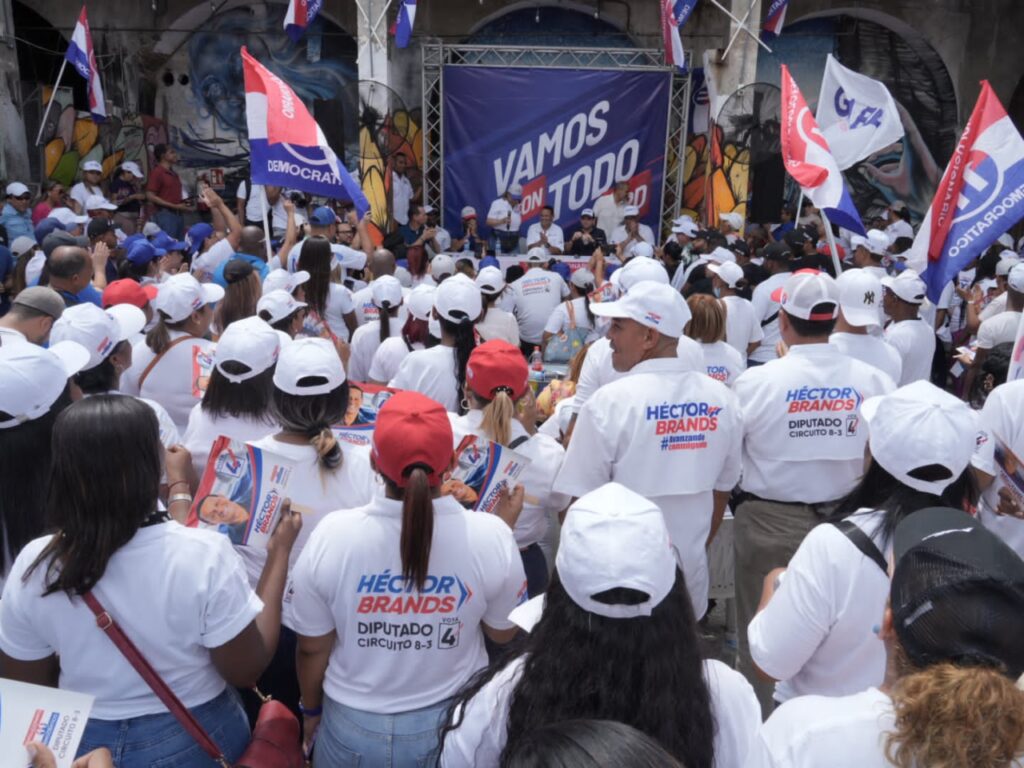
[857, 115]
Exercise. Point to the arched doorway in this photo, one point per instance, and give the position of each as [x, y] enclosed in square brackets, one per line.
[541, 25]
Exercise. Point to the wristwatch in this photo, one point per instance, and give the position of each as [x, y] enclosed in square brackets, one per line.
[314, 712]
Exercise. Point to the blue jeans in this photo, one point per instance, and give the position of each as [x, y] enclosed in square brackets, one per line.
[158, 741]
[350, 737]
[170, 222]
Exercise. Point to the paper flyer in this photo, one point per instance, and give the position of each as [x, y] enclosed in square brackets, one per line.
[51, 716]
[482, 470]
[241, 492]
[364, 400]
[607, 292]
[1010, 472]
[202, 368]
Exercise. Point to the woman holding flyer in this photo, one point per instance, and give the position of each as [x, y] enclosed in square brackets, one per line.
[502, 411]
[180, 595]
[392, 600]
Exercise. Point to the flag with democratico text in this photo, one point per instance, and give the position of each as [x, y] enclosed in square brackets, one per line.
[81, 56]
[286, 146]
[402, 30]
[674, 15]
[807, 158]
[980, 197]
[775, 19]
[857, 115]
[299, 16]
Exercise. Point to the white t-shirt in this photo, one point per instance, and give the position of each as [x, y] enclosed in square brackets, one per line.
[315, 492]
[556, 238]
[899, 228]
[481, 737]
[366, 310]
[765, 307]
[388, 359]
[742, 328]
[175, 380]
[81, 192]
[998, 330]
[914, 341]
[203, 429]
[670, 434]
[430, 372]
[609, 214]
[538, 479]
[443, 238]
[816, 634]
[872, 350]
[177, 592]
[257, 201]
[1002, 421]
[398, 650]
[619, 234]
[994, 307]
[365, 342]
[534, 296]
[206, 263]
[559, 321]
[498, 324]
[804, 438]
[502, 208]
[401, 194]
[722, 362]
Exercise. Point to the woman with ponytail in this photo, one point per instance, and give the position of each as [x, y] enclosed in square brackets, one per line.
[440, 372]
[502, 409]
[386, 294]
[415, 334]
[574, 315]
[392, 600]
[951, 631]
[331, 312]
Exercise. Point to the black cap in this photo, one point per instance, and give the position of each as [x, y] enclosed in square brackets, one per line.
[775, 252]
[59, 237]
[796, 238]
[98, 226]
[704, 234]
[739, 247]
[237, 269]
[957, 592]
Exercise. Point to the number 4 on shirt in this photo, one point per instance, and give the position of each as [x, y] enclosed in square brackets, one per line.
[448, 633]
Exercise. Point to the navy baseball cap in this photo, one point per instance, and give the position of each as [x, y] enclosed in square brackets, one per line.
[322, 217]
[196, 235]
[143, 252]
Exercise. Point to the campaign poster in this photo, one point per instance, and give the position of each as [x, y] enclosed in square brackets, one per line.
[567, 136]
[51, 716]
[364, 400]
[241, 492]
[482, 470]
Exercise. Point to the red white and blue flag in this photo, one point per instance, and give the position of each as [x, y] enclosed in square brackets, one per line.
[674, 14]
[980, 197]
[402, 30]
[299, 16]
[81, 56]
[286, 146]
[775, 19]
[809, 161]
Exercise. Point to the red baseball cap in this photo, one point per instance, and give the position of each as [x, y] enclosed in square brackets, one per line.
[497, 365]
[412, 430]
[128, 292]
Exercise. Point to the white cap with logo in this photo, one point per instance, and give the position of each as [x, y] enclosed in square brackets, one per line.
[309, 366]
[32, 378]
[98, 330]
[252, 343]
[631, 210]
[907, 286]
[654, 305]
[806, 291]
[92, 165]
[860, 297]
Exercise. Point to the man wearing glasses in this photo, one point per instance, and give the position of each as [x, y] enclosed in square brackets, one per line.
[16, 217]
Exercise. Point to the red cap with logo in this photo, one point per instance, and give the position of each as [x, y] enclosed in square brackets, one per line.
[496, 366]
[412, 430]
[128, 292]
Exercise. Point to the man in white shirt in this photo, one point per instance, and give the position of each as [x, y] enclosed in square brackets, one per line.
[868, 251]
[777, 263]
[803, 445]
[999, 329]
[545, 234]
[534, 296]
[401, 190]
[31, 316]
[92, 173]
[251, 202]
[1002, 429]
[505, 220]
[731, 226]
[912, 337]
[442, 237]
[631, 231]
[859, 323]
[610, 208]
[743, 331]
[899, 215]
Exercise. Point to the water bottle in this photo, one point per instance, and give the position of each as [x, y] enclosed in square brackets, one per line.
[497, 245]
[536, 360]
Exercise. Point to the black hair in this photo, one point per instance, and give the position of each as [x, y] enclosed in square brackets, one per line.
[645, 671]
[584, 293]
[284, 324]
[417, 522]
[101, 378]
[315, 257]
[465, 343]
[159, 151]
[158, 338]
[548, 208]
[131, 270]
[313, 416]
[249, 399]
[673, 250]
[808, 328]
[588, 744]
[987, 264]
[25, 461]
[513, 273]
[384, 315]
[104, 484]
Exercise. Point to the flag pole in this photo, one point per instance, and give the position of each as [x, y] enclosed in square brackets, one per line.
[53, 95]
[266, 226]
[831, 239]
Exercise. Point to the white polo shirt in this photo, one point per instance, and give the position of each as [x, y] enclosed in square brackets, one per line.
[871, 350]
[498, 324]
[816, 635]
[994, 307]
[742, 328]
[399, 649]
[502, 208]
[998, 330]
[365, 342]
[764, 308]
[722, 362]
[430, 372]
[667, 433]
[1002, 420]
[609, 214]
[401, 194]
[534, 297]
[804, 438]
[914, 341]
[257, 200]
[619, 234]
[555, 235]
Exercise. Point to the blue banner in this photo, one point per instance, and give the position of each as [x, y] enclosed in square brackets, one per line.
[565, 135]
[303, 168]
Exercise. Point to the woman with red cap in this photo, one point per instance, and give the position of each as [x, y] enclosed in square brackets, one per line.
[391, 601]
[502, 410]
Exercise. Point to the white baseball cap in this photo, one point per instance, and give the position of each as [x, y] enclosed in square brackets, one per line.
[442, 265]
[582, 277]
[22, 245]
[151, 228]
[805, 291]
[181, 295]
[132, 168]
[654, 305]
[99, 203]
[347, 258]
[537, 254]
[386, 290]
[428, 209]
[283, 280]
[1015, 278]
[279, 304]
[860, 297]
[878, 242]
[1005, 239]
[639, 271]
[631, 210]
[32, 378]
[587, 212]
[458, 298]
[469, 212]
[67, 217]
[687, 228]
[729, 271]
[643, 250]
[309, 366]
[404, 276]
[490, 280]
[17, 189]
[97, 330]
[250, 342]
[680, 220]
[92, 165]
[721, 255]
[907, 286]
[1007, 261]
[919, 425]
[515, 190]
[733, 219]
[421, 301]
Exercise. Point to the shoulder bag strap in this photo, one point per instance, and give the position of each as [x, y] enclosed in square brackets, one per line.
[768, 320]
[518, 441]
[158, 358]
[134, 657]
[572, 314]
[862, 542]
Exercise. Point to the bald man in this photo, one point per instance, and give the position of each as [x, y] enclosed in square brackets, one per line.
[70, 270]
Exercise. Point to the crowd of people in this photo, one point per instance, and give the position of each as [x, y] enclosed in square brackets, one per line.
[859, 441]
